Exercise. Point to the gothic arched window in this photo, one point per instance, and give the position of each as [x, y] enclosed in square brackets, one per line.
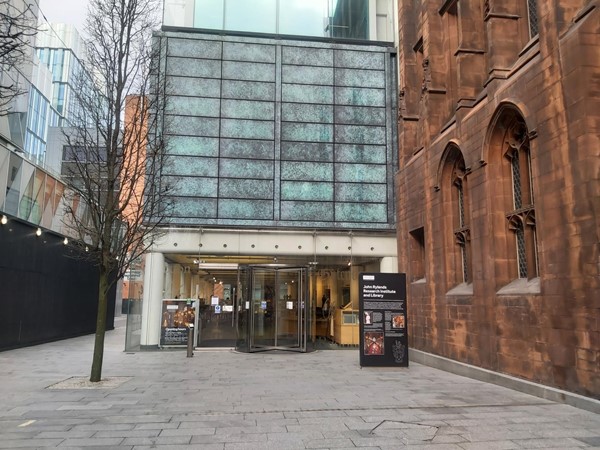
[521, 215]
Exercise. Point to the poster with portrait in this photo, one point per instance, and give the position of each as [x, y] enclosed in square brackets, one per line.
[383, 326]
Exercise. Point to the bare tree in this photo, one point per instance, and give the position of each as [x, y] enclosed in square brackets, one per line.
[114, 150]
[18, 24]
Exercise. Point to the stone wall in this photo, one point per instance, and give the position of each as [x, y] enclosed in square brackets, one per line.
[504, 100]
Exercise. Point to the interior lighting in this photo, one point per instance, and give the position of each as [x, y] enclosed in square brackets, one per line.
[4, 220]
[66, 241]
[38, 232]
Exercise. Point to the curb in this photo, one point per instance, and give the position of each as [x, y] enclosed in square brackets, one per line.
[500, 379]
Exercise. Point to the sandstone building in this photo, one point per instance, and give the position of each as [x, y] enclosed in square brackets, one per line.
[498, 187]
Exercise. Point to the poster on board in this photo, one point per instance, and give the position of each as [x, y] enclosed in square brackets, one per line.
[177, 315]
[382, 316]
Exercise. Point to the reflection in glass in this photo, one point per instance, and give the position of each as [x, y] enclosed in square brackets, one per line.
[303, 17]
[209, 14]
[350, 19]
[13, 189]
[259, 16]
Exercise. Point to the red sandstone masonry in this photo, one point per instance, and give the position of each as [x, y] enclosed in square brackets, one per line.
[552, 337]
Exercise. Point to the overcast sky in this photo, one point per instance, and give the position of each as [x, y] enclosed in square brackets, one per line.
[65, 11]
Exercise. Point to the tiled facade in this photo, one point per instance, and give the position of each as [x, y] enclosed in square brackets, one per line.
[498, 185]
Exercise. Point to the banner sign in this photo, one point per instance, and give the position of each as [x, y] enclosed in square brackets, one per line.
[383, 330]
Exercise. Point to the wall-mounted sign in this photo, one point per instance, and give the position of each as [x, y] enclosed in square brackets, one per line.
[383, 331]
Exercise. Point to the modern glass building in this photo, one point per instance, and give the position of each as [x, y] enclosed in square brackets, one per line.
[281, 131]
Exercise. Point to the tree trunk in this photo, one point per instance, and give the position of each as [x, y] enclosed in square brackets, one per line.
[96, 374]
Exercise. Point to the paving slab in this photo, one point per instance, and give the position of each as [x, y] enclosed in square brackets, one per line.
[235, 401]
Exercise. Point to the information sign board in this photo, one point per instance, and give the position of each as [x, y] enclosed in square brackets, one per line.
[383, 326]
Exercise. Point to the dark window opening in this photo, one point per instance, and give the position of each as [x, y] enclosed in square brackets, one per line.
[417, 254]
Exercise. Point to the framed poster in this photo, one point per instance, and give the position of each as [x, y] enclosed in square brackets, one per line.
[177, 314]
[382, 313]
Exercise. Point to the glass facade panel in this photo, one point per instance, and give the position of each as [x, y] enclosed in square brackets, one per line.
[288, 143]
[259, 16]
[209, 14]
[340, 19]
[303, 17]
[13, 188]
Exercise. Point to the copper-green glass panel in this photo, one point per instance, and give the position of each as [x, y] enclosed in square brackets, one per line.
[307, 94]
[361, 192]
[247, 129]
[194, 207]
[199, 87]
[307, 75]
[241, 188]
[359, 96]
[360, 173]
[300, 112]
[200, 47]
[193, 106]
[307, 211]
[236, 70]
[246, 109]
[193, 126]
[246, 209]
[247, 148]
[361, 212]
[306, 171]
[360, 115]
[193, 67]
[307, 56]
[191, 166]
[360, 153]
[307, 151]
[246, 168]
[359, 59]
[192, 186]
[360, 78]
[192, 145]
[248, 90]
[311, 132]
[305, 190]
[359, 134]
[241, 51]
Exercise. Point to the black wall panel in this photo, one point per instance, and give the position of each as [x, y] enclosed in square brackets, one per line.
[46, 293]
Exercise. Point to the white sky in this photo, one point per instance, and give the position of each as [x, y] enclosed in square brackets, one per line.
[65, 11]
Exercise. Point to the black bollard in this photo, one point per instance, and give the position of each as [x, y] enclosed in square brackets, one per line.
[190, 342]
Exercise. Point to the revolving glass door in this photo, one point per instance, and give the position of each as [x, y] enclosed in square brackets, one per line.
[276, 309]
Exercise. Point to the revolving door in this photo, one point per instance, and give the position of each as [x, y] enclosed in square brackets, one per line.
[276, 306]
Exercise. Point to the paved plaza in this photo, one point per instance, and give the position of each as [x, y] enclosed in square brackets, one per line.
[227, 400]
